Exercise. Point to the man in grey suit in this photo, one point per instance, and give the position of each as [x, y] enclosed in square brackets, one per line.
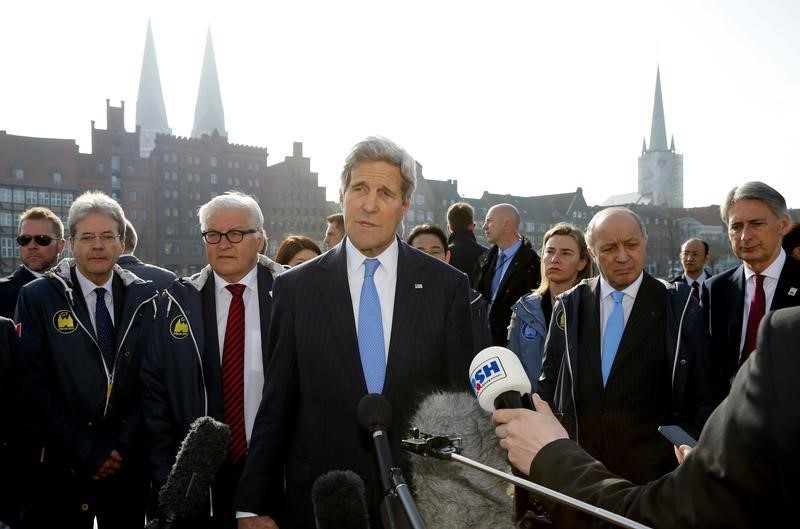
[627, 353]
[371, 315]
[161, 277]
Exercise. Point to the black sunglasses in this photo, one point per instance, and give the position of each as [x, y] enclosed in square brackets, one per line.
[41, 240]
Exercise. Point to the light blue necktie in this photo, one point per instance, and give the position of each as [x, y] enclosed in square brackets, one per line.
[498, 272]
[370, 331]
[613, 334]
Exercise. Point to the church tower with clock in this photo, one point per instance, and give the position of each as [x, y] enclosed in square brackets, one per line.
[660, 167]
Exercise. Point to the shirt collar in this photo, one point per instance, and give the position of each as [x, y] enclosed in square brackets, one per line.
[631, 290]
[511, 251]
[33, 272]
[772, 271]
[250, 281]
[355, 259]
[87, 287]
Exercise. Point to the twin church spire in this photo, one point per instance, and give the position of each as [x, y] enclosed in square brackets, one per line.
[151, 113]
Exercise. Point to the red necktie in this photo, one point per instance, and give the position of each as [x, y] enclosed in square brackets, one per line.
[233, 375]
[757, 308]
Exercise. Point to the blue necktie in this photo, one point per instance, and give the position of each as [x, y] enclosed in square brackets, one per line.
[370, 331]
[613, 334]
[498, 272]
[104, 328]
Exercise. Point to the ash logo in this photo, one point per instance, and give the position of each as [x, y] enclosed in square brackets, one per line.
[179, 328]
[64, 322]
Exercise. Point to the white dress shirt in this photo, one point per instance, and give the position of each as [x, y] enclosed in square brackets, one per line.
[253, 360]
[700, 279]
[385, 283]
[607, 302]
[771, 275]
[87, 288]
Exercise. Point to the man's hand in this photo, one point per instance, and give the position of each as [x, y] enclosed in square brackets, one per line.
[682, 452]
[257, 522]
[524, 432]
[110, 466]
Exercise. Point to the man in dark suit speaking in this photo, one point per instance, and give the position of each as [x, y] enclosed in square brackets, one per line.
[743, 472]
[371, 315]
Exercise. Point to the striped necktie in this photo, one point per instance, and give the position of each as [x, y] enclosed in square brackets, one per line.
[233, 375]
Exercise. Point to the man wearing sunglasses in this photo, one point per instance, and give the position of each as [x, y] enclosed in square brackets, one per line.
[209, 349]
[41, 241]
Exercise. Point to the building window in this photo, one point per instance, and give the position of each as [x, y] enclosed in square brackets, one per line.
[30, 198]
[174, 212]
[116, 163]
[130, 170]
[166, 193]
[236, 181]
[6, 219]
[55, 198]
[172, 248]
[174, 193]
[194, 230]
[171, 229]
[213, 162]
[166, 157]
[44, 198]
[56, 177]
[18, 172]
[230, 181]
[166, 175]
[230, 164]
[132, 214]
[67, 202]
[174, 158]
[101, 167]
[5, 194]
[143, 197]
[236, 164]
[133, 196]
[174, 176]
[6, 247]
[19, 196]
[167, 212]
[212, 179]
[258, 182]
[258, 166]
[197, 160]
[420, 200]
[144, 214]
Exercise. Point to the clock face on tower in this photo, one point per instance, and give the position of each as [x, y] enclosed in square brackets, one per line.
[662, 163]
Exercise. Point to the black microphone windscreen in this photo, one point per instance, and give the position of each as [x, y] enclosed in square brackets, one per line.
[339, 501]
[201, 454]
[374, 412]
[450, 494]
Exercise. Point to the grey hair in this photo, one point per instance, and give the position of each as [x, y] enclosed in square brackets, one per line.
[754, 191]
[131, 238]
[231, 200]
[380, 149]
[95, 202]
[601, 215]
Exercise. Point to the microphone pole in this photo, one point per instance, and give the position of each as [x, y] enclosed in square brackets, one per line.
[375, 414]
[443, 447]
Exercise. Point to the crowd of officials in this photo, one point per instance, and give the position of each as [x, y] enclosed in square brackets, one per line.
[106, 361]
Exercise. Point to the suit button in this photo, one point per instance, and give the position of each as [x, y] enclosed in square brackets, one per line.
[683, 361]
[89, 423]
[84, 507]
[127, 354]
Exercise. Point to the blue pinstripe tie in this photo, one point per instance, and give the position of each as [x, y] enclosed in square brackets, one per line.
[612, 335]
[104, 328]
[370, 331]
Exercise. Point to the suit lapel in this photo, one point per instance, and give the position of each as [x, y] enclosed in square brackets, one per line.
[264, 292]
[735, 307]
[590, 330]
[335, 297]
[787, 293]
[406, 307]
[648, 307]
[212, 352]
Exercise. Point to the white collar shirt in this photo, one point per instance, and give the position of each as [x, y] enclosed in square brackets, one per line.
[607, 302]
[90, 296]
[771, 275]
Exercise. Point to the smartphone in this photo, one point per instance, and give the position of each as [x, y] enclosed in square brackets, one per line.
[677, 435]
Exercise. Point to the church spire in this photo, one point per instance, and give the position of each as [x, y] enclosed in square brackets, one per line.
[208, 113]
[151, 113]
[658, 130]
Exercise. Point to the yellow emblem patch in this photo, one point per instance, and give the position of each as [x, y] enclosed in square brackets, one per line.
[561, 321]
[64, 322]
[179, 328]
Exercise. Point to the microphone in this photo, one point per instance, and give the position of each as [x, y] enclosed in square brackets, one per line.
[375, 415]
[451, 496]
[498, 379]
[339, 501]
[201, 454]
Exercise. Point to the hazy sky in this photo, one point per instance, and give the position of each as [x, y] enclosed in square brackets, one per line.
[523, 97]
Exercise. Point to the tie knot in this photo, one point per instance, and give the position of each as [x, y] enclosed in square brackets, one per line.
[236, 290]
[370, 265]
[617, 295]
[100, 292]
[759, 280]
[501, 258]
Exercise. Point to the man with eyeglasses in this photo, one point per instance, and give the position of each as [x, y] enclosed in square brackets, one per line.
[84, 331]
[41, 241]
[208, 355]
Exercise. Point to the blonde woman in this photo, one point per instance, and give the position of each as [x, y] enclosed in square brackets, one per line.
[565, 262]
